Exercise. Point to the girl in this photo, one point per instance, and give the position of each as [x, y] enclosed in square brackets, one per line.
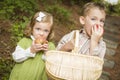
[90, 40]
[28, 54]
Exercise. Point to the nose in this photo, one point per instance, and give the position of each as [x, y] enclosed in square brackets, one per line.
[41, 33]
[99, 23]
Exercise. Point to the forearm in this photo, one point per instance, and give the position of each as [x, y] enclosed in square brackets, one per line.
[65, 48]
[98, 49]
[20, 54]
[93, 45]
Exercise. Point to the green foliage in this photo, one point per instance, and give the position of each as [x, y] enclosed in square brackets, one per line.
[60, 13]
[16, 9]
[113, 9]
[18, 29]
[75, 2]
[5, 68]
[19, 12]
[50, 2]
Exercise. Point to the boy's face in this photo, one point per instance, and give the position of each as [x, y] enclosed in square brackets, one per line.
[94, 17]
[41, 30]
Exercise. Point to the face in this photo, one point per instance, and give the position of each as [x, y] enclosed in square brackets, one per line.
[41, 30]
[94, 17]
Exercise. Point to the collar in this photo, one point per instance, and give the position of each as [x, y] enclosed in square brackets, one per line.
[32, 37]
[82, 31]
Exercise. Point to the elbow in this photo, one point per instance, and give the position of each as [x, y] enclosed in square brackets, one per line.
[17, 58]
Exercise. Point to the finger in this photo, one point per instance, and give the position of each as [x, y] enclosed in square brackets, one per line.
[38, 47]
[92, 29]
[96, 27]
[45, 44]
[101, 30]
[45, 47]
[33, 42]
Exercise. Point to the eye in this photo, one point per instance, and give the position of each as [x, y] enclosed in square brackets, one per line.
[103, 21]
[47, 31]
[93, 19]
[37, 28]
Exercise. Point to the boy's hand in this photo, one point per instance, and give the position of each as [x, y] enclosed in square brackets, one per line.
[69, 46]
[97, 32]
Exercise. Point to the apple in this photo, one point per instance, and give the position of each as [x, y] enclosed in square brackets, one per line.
[41, 40]
[97, 26]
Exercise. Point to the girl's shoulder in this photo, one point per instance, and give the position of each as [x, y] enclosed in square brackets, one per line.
[25, 42]
[51, 45]
[25, 38]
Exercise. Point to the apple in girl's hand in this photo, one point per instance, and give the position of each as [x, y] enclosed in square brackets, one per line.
[41, 40]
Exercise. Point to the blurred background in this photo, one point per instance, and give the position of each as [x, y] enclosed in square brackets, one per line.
[16, 14]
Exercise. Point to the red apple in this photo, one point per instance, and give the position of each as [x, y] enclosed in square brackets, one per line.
[97, 26]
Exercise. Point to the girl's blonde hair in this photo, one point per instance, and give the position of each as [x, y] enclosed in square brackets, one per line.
[48, 18]
[87, 7]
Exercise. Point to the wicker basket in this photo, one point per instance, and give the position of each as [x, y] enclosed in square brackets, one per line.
[62, 65]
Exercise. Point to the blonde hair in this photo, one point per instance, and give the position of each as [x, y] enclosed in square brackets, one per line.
[87, 7]
[48, 18]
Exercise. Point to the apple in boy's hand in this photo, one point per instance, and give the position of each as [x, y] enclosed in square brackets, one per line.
[41, 40]
[97, 26]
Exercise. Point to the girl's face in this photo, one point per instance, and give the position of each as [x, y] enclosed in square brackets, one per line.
[41, 30]
[95, 17]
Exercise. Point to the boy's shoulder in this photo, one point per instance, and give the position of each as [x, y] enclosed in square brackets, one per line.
[71, 32]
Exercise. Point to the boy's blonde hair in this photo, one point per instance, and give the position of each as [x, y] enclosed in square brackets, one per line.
[48, 18]
[87, 7]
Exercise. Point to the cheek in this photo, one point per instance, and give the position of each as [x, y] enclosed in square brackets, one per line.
[89, 30]
[35, 33]
[46, 35]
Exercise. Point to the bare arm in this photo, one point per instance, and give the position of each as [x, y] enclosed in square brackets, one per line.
[66, 43]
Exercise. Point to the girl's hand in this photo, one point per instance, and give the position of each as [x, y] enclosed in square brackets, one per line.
[38, 47]
[97, 32]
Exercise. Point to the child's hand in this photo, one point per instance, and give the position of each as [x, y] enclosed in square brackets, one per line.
[68, 46]
[38, 47]
[97, 32]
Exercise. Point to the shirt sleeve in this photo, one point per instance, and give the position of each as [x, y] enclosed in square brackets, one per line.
[20, 54]
[100, 50]
[64, 40]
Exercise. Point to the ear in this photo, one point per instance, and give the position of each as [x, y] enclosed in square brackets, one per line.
[82, 20]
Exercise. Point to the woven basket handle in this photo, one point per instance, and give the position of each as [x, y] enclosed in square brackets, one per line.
[76, 37]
